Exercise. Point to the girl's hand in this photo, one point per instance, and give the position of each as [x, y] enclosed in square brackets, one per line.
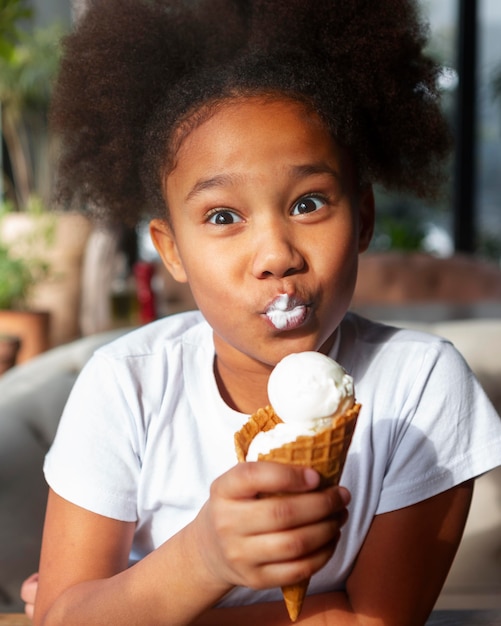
[263, 542]
[29, 593]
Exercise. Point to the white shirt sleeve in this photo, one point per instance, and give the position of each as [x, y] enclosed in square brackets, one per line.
[98, 443]
[448, 431]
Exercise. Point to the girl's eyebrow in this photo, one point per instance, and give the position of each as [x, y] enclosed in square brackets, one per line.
[296, 171]
[311, 169]
[220, 180]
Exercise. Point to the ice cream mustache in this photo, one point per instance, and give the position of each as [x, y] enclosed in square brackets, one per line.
[307, 390]
[310, 423]
[284, 312]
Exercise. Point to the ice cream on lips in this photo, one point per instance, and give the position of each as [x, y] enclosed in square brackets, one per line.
[284, 312]
[307, 391]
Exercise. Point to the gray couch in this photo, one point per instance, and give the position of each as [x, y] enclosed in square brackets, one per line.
[32, 396]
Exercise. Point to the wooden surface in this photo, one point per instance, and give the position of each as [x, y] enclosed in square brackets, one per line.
[14, 619]
[438, 618]
[465, 618]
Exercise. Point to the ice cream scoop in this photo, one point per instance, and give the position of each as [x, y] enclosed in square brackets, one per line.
[307, 390]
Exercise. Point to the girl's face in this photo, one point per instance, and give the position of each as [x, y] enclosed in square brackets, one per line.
[267, 222]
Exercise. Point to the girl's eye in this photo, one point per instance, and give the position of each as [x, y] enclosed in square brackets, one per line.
[307, 204]
[222, 217]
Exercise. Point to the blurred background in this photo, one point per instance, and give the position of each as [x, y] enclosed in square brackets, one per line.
[466, 39]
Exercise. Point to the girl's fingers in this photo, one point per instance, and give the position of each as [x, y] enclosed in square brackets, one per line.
[282, 573]
[286, 557]
[247, 480]
[28, 594]
[285, 512]
[266, 524]
[256, 515]
[29, 589]
[294, 544]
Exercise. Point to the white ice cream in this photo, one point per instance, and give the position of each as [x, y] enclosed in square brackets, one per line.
[307, 390]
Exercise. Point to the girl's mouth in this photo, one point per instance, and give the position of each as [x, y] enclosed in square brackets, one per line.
[286, 313]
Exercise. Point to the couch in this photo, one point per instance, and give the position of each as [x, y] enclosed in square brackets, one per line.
[32, 396]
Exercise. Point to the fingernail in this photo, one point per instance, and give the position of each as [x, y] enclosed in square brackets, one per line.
[345, 495]
[311, 477]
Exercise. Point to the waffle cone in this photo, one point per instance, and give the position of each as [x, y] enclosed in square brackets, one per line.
[325, 452]
[294, 597]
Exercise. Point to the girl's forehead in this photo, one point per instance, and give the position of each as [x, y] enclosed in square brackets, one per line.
[246, 139]
[244, 110]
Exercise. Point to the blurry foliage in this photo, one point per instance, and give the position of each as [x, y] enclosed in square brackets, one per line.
[489, 247]
[402, 222]
[17, 278]
[26, 75]
[22, 265]
[27, 70]
[398, 234]
[12, 12]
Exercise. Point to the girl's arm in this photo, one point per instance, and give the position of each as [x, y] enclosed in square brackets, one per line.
[235, 539]
[397, 577]
[85, 580]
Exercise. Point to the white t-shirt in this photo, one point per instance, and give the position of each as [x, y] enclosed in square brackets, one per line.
[145, 431]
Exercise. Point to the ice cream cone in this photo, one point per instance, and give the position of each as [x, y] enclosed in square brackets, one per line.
[324, 451]
[293, 596]
[261, 421]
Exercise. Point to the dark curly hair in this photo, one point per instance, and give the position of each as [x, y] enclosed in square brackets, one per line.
[137, 74]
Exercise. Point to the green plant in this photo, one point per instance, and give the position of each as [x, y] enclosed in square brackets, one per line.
[22, 265]
[27, 71]
[16, 279]
[12, 12]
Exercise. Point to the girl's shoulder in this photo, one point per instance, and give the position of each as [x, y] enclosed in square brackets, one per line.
[361, 337]
[159, 337]
[400, 360]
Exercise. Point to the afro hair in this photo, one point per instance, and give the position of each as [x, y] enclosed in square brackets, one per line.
[134, 71]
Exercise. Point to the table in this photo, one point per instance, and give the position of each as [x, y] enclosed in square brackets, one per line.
[465, 618]
[14, 619]
[438, 618]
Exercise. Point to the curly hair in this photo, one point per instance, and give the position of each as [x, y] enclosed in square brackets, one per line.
[136, 74]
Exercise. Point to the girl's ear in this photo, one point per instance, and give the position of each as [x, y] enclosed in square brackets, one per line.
[165, 243]
[367, 217]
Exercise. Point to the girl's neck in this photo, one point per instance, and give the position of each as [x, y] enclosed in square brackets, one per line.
[243, 381]
[242, 390]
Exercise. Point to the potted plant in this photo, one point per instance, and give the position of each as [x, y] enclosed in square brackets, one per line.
[15, 277]
[9, 349]
[21, 270]
[27, 69]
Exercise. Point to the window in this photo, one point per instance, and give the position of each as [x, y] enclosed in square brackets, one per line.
[488, 200]
[407, 223]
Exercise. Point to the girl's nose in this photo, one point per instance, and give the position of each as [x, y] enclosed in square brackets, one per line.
[276, 254]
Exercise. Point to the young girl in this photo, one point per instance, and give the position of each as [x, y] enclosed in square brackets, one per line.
[251, 133]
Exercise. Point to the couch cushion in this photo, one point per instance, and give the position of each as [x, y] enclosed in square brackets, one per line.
[32, 397]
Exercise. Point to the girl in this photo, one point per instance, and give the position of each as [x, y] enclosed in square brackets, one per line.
[251, 133]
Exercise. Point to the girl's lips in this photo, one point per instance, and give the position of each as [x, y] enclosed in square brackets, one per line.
[286, 313]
